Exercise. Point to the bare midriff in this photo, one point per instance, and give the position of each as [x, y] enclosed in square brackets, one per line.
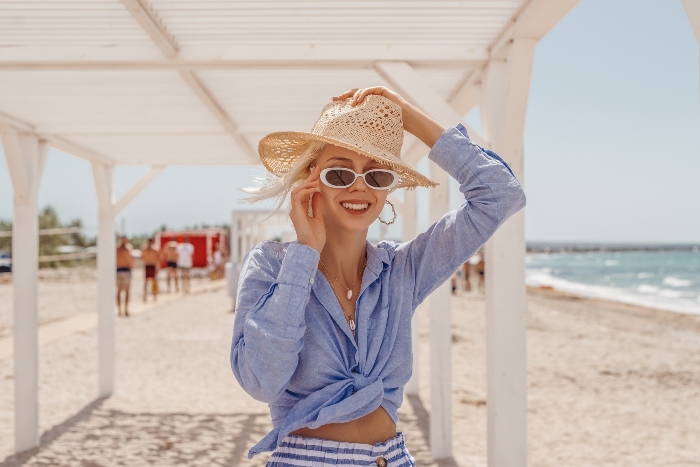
[375, 427]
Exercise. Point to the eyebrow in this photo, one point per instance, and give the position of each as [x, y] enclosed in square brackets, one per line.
[349, 161]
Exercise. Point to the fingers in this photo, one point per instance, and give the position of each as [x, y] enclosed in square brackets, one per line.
[346, 94]
[316, 204]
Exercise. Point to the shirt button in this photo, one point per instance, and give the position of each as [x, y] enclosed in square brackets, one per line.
[381, 462]
[311, 281]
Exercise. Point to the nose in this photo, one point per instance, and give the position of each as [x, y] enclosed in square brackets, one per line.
[359, 185]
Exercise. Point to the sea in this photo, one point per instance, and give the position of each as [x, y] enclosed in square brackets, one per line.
[668, 280]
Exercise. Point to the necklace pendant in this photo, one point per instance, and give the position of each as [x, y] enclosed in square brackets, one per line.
[352, 325]
[349, 294]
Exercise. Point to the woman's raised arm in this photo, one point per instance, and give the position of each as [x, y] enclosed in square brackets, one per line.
[492, 194]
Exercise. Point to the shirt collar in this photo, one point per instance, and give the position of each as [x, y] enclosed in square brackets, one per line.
[377, 259]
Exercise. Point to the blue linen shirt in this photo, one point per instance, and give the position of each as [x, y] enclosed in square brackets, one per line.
[292, 346]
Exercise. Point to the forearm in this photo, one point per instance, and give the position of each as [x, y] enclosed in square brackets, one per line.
[269, 323]
[421, 125]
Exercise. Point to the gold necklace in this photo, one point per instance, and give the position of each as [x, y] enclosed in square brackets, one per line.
[351, 322]
[349, 294]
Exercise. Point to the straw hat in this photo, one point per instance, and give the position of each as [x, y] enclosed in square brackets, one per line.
[373, 128]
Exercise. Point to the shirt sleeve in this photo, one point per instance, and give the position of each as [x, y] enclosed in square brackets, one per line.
[492, 194]
[269, 322]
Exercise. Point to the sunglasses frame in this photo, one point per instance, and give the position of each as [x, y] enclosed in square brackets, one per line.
[396, 181]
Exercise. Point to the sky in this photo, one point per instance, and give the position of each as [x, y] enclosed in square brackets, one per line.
[612, 142]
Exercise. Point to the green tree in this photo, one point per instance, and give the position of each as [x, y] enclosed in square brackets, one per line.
[5, 242]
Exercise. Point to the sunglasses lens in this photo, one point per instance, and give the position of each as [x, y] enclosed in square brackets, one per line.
[340, 177]
[379, 179]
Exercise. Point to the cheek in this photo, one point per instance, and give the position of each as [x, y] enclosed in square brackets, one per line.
[381, 197]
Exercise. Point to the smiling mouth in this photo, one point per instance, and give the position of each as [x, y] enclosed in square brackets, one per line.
[356, 208]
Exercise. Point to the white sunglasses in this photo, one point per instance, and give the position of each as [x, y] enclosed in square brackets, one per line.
[377, 179]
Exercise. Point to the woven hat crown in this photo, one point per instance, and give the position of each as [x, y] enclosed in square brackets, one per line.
[373, 128]
[374, 124]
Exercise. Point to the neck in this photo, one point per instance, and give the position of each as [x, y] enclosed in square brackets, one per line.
[344, 252]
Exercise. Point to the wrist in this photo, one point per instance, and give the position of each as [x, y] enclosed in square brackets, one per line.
[421, 125]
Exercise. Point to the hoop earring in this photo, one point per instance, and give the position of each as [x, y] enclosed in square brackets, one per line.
[393, 210]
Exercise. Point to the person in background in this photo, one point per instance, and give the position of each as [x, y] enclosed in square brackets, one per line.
[465, 272]
[185, 251]
[125, 263]
[169, 254]
[150, 258]
[218, 261]
[481, 270]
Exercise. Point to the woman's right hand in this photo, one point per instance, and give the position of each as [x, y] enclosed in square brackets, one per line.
[311, 231]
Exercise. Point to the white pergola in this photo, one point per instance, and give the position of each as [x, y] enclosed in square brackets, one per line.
[184, 82]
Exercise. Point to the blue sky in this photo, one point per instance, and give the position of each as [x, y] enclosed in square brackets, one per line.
[612, 140]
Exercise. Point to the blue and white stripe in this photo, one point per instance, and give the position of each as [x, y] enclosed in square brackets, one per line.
[298, 451]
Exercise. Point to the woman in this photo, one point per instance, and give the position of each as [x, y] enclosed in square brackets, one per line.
[322, 331]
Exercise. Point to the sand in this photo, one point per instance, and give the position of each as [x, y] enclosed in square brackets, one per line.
[608, 385]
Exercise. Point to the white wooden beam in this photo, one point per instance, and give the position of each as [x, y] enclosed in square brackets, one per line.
[20, 125]
[106, 276]
[692, 11]
[505, 91]
[240, 56]
[144, 14]
[153, 26]
[15, 163]
[218, 111]
[69, 147]
[136, 188]
[532, 21]
[25, 155]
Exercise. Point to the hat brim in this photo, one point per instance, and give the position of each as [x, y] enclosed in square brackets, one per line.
[280, 150]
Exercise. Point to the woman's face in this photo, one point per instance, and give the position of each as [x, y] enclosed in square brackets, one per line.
[337, 201]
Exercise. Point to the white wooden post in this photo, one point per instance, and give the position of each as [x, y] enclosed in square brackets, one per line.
[402, 77]
[410, 228]
[235, 238]
[25, 156]
[106, 276]
[108, 209]
[505, 91]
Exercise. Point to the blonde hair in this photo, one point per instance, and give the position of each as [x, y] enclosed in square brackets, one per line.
[279, 188]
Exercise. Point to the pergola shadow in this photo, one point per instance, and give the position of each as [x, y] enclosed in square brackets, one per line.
[96, 437]
[422, 422]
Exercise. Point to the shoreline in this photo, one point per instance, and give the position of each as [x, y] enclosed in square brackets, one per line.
[660, 314]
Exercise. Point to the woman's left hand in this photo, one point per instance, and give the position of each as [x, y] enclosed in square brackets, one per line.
[414, 120]
[358, 95]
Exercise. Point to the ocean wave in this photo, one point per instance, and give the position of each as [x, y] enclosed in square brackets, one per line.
[676, 282]
[642, 295]
[649, 289]
[645, 275]
[611, 262]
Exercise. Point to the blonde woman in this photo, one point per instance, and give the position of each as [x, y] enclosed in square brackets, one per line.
[322, 331]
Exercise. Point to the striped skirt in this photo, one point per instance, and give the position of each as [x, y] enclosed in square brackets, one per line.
[312, 452]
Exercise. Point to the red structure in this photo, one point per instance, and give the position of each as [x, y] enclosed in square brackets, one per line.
[205, 242]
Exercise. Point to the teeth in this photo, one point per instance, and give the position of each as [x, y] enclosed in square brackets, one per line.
[355, 207]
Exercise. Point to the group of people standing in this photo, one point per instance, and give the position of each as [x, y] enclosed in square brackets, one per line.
[176, 256]
[475, 266]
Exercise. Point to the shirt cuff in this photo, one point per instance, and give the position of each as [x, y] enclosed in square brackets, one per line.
[455, 140]
[299, 266]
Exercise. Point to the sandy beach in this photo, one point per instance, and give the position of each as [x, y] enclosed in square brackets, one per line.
[609, 385]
